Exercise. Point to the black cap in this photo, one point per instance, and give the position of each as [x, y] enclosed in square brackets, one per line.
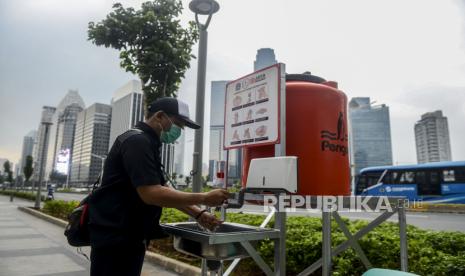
[175, 107]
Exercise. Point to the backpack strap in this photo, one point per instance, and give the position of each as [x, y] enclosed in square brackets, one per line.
[133, 131]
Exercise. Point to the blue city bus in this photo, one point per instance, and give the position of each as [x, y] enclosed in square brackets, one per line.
[439, 182]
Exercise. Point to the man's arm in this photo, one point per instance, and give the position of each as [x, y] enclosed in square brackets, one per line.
[191, 210]
[167, 197]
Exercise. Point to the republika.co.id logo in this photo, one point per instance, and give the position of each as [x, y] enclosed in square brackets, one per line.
[335, 141]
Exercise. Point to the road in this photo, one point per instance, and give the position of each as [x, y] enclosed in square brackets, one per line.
[430, 221]
[31, 246]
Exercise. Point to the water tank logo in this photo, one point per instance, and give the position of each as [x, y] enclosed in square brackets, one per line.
[335, 141]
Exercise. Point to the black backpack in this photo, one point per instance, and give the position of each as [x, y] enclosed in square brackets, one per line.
[77, 230]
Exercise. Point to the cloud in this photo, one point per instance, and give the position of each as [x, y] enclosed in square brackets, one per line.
[407, 54]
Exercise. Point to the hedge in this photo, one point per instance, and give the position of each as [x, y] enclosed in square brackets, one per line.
[430, 252]
[25, 195]
[59, 208]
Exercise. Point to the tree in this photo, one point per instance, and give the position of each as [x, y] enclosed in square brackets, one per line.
[8, 172]
[28, 169]
[152, 44]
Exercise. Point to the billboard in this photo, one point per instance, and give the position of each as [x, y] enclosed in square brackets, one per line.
[62, 162]
[252, 108]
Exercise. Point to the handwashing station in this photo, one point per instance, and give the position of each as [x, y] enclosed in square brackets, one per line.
[292, 130]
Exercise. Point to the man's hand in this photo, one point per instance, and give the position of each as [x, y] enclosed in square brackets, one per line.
[209, 221]
[215, 197]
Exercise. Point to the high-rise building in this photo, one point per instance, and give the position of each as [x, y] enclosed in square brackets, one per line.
[62, 134]
[127, 109]
[28, 147]
[432, 138]
[217, 153]
[17, 171]
[43, 141]
[90, 140]
[179, 149]
[370, 133]
[265, 57]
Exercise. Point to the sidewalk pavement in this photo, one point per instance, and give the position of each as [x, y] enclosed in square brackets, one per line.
[30, 246]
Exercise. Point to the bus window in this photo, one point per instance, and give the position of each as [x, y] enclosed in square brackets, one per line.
[420, 178]
[460, 175]
[432, 185]
[387, 179]
[407, 178]
[448, 175]
[395, 177]
[367, 180]
[361, 181]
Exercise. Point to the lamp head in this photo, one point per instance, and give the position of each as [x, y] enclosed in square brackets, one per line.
[204, 7]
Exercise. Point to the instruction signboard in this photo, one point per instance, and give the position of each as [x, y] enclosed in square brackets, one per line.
[252, 109]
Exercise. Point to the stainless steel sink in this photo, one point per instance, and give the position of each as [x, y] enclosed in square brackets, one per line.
[223, 244]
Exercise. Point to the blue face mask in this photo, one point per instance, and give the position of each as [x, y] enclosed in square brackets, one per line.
[171, 135]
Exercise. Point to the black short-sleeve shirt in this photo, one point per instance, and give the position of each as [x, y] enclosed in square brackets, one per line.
[117, 213]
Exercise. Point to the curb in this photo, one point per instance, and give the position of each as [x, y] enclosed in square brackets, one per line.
[43, 216]
[437, 210]
[165, 262]
[172, 264]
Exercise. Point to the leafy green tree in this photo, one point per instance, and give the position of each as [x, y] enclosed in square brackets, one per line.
[8, 172]
[152, 44]
[28, 169]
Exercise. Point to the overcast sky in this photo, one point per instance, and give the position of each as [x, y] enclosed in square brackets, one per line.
[409, 55]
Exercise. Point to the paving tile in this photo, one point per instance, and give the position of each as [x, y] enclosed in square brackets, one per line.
[38, 265]
[27, 243]
[14, 231]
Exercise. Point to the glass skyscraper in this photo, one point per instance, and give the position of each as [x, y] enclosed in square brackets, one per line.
[370, 134]
[265, 57]
[28, 146]
[92, 136]
[62, 133]
[127, 109]
[217, 154]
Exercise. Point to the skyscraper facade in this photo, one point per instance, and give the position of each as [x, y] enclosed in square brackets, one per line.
[370, 131]
[90, 140]
[265, 57]
[62, 134]
[43, 141]
[432, 138]
[28, 147]
[217, 154]
[179, 149]
[127, 109]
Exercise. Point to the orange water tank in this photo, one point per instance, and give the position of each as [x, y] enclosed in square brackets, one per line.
[316, 132]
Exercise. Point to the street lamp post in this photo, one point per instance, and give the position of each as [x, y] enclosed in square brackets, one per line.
[202, 7]
[42, 161]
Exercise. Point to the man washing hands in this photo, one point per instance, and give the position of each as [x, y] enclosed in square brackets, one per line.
[124, 212]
